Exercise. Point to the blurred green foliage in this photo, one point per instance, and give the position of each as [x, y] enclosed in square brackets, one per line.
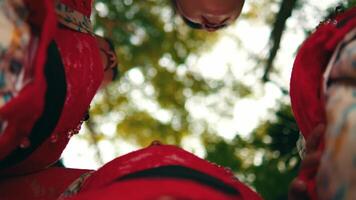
[154, 48]
[268, 160]
[350, 3]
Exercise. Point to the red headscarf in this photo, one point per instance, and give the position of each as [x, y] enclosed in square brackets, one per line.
[307, 78]
[21, 117]
[79, 74]
[163, 171]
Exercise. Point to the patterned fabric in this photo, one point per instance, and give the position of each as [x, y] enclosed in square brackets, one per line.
[337, 174]
[14, 42]
[301, 146]
[73, 19]
[75, 187]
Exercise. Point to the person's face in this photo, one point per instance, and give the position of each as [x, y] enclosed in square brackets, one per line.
[210, 14]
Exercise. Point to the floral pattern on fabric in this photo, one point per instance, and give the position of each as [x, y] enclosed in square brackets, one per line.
[301, 146]
[73, 19]
[337, 173]
[14, 42]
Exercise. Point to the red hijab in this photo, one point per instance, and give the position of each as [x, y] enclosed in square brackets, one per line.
[307, 78]
[58, 105]
[162, 171]
[19, 115]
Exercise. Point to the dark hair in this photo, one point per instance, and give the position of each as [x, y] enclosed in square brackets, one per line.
[115, 70]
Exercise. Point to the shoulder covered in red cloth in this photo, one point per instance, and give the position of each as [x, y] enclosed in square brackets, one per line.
[46, 184]
[163, 171]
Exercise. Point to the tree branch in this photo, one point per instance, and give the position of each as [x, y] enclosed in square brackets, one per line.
[284, 13]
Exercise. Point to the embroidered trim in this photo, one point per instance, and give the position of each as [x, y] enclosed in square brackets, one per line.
[73, 19]
[301, 146]
[75, 186]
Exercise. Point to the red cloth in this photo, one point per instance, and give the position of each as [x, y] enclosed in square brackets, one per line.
[307, 79]
[83, 6]
[153, 189]
[83, 73]
[112, 180]
[44, 185]
[106, 182]
[17, 111]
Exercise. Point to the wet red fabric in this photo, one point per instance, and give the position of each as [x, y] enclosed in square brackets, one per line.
[102, 182]
[47, 184]
[307, 79]
[83, 73]
[17, 111]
